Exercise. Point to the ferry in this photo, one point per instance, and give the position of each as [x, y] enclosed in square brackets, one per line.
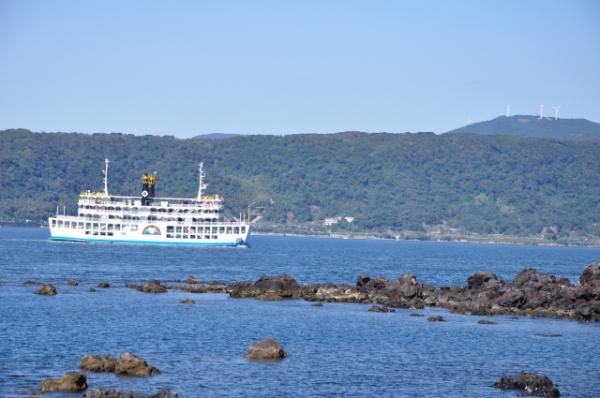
[148, 219]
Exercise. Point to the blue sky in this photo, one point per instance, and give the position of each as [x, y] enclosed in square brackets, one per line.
[280, 67]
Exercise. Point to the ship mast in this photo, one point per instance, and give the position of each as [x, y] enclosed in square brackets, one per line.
[201, 184]
[106, 161]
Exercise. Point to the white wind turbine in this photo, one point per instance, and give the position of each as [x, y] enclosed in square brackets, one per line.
[508, 110]
[556, 109]
[541, 111]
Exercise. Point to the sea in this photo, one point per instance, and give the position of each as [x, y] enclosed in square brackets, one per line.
[338, 350]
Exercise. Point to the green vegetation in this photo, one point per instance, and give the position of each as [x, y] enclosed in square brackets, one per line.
[388, 182]
[533, 126]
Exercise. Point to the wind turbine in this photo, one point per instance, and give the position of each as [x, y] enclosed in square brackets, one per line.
[556, 108]
[508, 110]
[541, 111]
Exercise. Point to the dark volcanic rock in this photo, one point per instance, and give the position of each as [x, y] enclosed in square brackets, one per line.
[479, 279]
[46, 289]
[132, 365]
[268, 288]
[69, 382]
[103, 285]
[152, 286]
[531, 383]
[99, 363]
[266, 349]
[590, 276]
[110, 393]
[436, 318]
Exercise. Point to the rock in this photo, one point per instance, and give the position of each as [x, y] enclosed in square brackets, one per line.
[531, 383]
[191, 280]
[266, 349]
[317, 304]
[110, 393]
[103, 285]
[362, 280]
[479, 279]
[436, 318]
[91, 290]
[416, 314]
[486, 322]
[590, 276]
[380, 308]
[69, 382]
[131, 365]
[187, 301]
[31, 282]
[99, 363]
[152, 286]
[73, 282]
[46, 289]
[268, 288]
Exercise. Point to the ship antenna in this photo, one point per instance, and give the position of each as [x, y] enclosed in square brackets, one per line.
[201, 184]
[106, 161]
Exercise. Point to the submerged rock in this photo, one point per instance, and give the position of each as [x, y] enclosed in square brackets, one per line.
[69, 382]
[436, 318]
[110, 393]
[91, 290]
[486, 322]
[266, 349]
[99, 363]
[416, 314]
[317, 304]
[380, 308]
[187, 301]
[191, 280]
[531, 383]
[73, 282]
[131, 365]
[46, 289]
[103, 285]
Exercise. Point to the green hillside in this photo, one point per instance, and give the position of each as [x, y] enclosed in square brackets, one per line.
[533, 126]
[472, 183]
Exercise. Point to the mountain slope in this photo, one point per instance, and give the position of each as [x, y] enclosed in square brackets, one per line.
[533, 126]
[474, 183]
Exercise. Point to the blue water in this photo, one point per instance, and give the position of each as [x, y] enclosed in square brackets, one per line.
[336, 350]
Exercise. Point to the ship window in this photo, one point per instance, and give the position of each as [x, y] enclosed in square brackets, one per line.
[110, 227]
[214, 237]
[206, 236]
[170, 228]
[193, 230]
[109, 233]
[192, 236]
[186, 230]
[243, 230]
[133, 228]
[178, 229]
[54, 223]
[74, 225]
[185, 236]
[117, 208]
[169, 235]
[178, 236]
[236, 230]
[117, 227]
[221, 230]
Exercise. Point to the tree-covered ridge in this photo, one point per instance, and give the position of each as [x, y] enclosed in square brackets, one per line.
[533, 126]
[475, 183]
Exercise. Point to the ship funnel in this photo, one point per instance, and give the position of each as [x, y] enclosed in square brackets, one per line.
[148, 187]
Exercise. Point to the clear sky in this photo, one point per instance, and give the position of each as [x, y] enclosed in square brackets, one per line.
[279, 67]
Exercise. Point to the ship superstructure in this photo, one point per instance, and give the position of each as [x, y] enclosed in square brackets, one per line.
[147, 219]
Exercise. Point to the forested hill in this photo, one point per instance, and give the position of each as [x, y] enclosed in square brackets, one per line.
[476, 183]
[533, 126]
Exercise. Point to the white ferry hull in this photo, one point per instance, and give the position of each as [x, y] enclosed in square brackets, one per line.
[140, 236]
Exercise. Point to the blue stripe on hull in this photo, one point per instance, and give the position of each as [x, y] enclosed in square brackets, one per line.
[142, 242]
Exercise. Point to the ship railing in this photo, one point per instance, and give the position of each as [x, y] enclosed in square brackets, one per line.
[137, 222]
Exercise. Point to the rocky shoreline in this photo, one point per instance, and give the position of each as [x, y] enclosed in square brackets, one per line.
[530, 293]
